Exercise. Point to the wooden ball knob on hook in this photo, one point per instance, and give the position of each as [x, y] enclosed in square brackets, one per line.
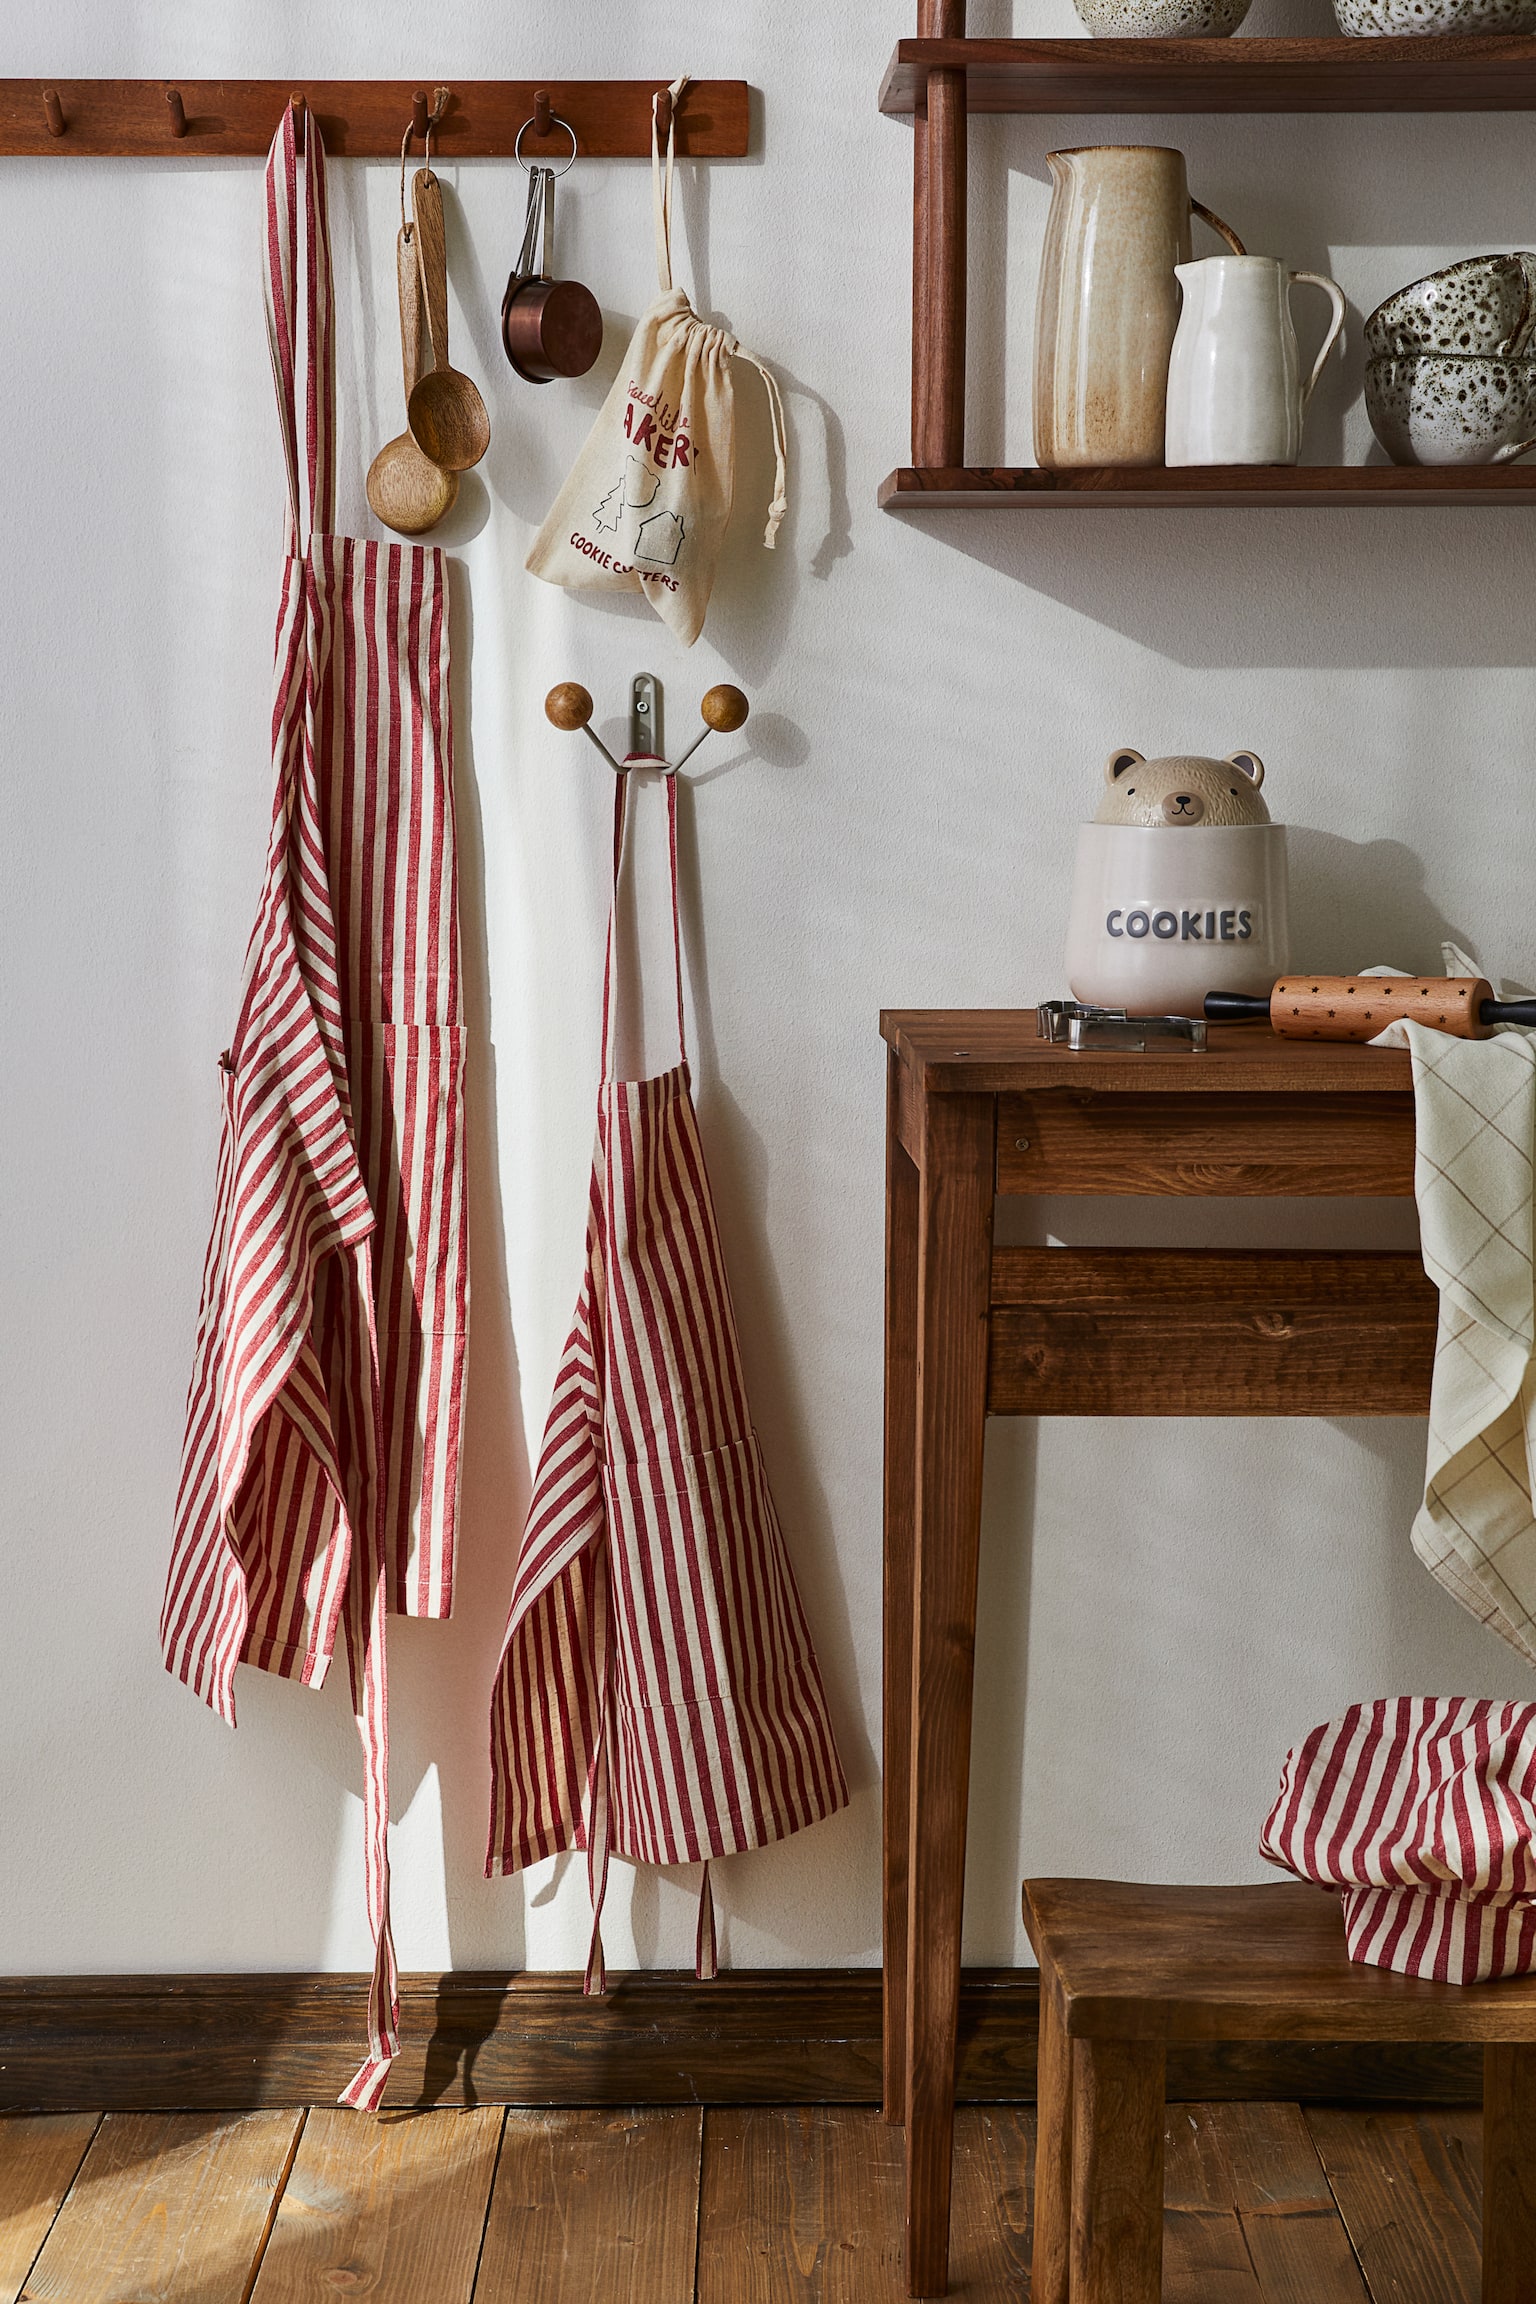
[724, 709]
[569, 706]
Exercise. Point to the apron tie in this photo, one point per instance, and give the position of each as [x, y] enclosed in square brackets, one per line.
[705, 1964]
[595, 1980]
[366, 1606]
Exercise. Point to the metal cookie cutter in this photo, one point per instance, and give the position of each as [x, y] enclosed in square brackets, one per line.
[1076, 1024]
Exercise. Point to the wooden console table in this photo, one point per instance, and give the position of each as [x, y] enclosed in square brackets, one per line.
[979, 1105]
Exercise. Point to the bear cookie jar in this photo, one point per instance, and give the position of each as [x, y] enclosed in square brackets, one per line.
[1180, 886]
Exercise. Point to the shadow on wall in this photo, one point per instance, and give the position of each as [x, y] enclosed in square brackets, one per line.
[1362, 903]
[739, 1176]
[1358, 591]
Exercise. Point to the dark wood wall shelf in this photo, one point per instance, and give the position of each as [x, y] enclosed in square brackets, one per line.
[940, 78]
[1238, 75]
[1299, 487]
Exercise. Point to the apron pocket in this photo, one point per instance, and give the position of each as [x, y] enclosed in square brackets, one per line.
[410, 1128]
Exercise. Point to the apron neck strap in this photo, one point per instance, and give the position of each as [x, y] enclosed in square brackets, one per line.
[620, 823]
[297, 287]
[661, 192]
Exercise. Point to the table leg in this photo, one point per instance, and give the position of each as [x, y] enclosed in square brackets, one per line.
[1050, 2277]
[1117, 2171]
[953, 1286]
[1509, 2174]
[901, 1218]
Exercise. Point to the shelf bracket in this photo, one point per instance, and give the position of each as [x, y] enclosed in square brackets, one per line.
[939, 251]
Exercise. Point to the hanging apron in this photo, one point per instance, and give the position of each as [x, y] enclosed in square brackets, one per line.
[658, 1695]
[320, 1466]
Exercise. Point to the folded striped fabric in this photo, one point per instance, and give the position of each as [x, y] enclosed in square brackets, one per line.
[1421, 1811]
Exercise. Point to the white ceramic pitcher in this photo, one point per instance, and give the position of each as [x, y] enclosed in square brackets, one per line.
[1235, 394]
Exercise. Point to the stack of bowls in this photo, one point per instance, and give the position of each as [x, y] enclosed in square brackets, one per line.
[1448, 379]
[1165, 19]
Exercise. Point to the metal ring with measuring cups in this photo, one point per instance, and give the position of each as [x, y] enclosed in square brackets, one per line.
[555, 121]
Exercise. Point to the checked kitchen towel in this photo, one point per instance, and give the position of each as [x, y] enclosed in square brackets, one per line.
[1475, 1112]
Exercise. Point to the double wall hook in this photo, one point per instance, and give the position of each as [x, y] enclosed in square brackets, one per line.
[569, 706]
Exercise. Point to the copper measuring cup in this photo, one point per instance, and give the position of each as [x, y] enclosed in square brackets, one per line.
[549, 327]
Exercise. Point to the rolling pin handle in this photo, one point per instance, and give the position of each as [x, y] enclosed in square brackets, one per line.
[1508, 1012]
[1237, 1007]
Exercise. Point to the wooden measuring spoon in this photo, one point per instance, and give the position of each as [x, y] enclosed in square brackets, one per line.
[407, 491]
[445, 411]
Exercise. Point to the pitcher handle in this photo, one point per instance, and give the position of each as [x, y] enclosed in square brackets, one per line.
[1225, 231]
[1335, 296]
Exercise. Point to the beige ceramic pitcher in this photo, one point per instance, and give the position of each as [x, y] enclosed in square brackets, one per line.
[1109, 302]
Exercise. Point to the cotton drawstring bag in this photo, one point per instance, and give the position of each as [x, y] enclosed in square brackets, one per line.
[649, 500]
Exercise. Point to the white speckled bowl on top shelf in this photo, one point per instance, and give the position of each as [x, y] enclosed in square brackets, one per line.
[1381, 19]
[1452, 407]
[1163, 19]
[1482, 304]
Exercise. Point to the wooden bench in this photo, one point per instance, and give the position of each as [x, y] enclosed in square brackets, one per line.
[1127, 1970]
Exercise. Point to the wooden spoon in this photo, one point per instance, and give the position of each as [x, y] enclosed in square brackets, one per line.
[407, 491]
[445, 411]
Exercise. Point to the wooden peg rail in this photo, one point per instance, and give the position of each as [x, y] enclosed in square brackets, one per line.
[365, 119]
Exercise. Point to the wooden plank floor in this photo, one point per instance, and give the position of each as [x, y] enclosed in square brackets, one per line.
[1266, 2204]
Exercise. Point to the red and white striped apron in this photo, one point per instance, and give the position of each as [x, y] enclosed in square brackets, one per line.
[320, 1467]
[658, 1695]
[1421, 1811]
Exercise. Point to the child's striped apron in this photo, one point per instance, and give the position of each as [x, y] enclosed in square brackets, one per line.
[658, 1695]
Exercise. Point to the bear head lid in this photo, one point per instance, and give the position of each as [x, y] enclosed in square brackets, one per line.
[1181, 792]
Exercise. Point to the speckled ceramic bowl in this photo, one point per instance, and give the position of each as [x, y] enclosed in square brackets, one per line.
[1452, 407]
[1372, 19]
[1482, 304]
[1163, 19]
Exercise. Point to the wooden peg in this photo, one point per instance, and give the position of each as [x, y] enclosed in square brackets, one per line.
[177, 112]
[543, 112]
[569, 706]
[53, 112]
[421, 117]
[663, 109]
[724, 709]
[297, 106]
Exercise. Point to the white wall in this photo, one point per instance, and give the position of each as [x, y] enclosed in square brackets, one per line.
[1165, 1606]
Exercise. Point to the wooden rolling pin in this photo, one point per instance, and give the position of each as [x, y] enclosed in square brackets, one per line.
[1358, 1007]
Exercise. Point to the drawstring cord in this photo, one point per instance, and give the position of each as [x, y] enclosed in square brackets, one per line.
[780, 504]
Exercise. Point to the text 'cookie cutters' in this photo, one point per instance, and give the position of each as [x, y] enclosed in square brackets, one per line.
[569, 706]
